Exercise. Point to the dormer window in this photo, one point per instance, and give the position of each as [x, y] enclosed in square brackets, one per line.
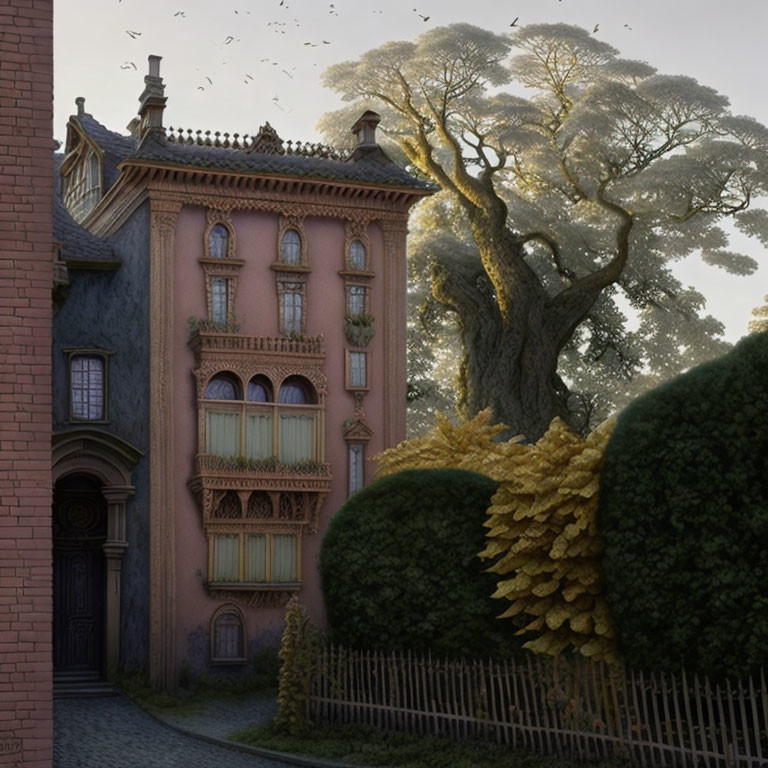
[81, 180]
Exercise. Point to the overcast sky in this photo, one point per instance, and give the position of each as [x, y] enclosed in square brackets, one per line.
[232, 65]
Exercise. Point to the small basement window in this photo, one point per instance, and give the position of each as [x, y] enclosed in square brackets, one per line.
[228, 636]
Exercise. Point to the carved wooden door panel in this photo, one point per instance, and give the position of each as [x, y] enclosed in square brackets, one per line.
[79, 531]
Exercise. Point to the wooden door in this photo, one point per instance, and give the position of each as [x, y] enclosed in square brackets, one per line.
[79, 532]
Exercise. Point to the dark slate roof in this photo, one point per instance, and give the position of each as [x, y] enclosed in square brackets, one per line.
[219, 158]
[117, 148]
[78, 244]
[114, 146]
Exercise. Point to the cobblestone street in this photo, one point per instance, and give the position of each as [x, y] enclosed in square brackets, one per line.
[112, 732]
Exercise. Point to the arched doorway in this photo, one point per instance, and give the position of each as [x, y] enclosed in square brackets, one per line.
[92, 482]
[79, 586]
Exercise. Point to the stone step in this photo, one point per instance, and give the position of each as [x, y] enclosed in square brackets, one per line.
[72, 686]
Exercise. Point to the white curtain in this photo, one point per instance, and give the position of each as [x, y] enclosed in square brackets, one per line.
[256, 558]
[283, 557]
[258, 436]
[295, 438]
[223, 430]
[225, 558]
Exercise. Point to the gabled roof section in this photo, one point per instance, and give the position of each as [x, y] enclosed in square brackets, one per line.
[115, 147]
[79, 247]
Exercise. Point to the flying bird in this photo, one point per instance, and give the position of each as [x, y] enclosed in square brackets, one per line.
[209, 79]
[228, 40]
[134, 35]
[180, 13]
[514, 23]
[200, 88]
[627, 26]
[287, 73]
[326, 42]
[597, 26]
[248, 76]
[127, 65]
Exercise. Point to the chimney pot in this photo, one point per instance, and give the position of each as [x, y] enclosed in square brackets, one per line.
[80, 101]
[154, 65]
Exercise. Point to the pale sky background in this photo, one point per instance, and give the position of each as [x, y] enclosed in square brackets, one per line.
[721, 44]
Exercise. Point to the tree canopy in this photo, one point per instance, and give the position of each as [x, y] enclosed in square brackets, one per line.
[575, 178]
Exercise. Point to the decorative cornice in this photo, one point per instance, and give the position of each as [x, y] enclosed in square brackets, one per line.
[255, 596]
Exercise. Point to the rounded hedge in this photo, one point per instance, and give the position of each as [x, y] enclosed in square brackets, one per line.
[400, 567]
[684, 515]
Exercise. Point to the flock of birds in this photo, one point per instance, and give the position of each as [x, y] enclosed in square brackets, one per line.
[278, 27]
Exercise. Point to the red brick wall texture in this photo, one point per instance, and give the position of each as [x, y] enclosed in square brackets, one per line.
[26, 280]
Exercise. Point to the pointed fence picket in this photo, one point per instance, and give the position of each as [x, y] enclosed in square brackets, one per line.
[581, 709]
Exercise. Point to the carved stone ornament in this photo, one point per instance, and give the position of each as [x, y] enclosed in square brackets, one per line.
[359, 412]
[267, 142]
[357, 431]
[254, 597]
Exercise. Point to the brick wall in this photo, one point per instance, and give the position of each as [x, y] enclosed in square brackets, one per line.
[26, 279]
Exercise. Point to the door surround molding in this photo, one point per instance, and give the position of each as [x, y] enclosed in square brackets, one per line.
[109, 460]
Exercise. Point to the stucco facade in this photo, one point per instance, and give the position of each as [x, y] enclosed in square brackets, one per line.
[239, 304]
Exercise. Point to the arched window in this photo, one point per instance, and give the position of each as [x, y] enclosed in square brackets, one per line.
[228, 636]
[296, 390]
[296, 429]
[357, 255]
[290, 247]
[222, 386]
[259, 390]
[218, 242]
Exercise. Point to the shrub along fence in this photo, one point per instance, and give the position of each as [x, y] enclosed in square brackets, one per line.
[582, 709]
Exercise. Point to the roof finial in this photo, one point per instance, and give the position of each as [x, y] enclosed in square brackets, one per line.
[80, 101]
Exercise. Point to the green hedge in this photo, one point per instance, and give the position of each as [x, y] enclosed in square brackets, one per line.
[684, 514]
[400, 569]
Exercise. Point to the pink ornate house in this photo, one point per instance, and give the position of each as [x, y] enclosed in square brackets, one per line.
[229, 351]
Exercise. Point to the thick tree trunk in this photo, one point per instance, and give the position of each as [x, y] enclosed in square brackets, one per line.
[509, 360]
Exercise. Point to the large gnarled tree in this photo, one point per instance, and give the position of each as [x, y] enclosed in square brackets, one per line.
[573, 196]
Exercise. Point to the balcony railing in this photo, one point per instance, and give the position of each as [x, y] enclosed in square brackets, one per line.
[234, 343]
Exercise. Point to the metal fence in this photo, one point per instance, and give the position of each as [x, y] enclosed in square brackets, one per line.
[582, 709]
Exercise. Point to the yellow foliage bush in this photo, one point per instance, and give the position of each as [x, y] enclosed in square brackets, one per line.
[468, 445]
[543, 533]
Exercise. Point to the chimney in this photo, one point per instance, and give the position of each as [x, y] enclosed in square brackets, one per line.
[365, 128]
[152, 101]
[80, 101]
[367, 149]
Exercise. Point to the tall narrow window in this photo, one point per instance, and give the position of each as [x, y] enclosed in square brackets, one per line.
[357, 255]
[358, 375]
[290, 248]
[292, 309]
[218, 242]
[356, 475]
[226, 559]
[356, 295]
[284, 550]
[219, 299]
[87, 382]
